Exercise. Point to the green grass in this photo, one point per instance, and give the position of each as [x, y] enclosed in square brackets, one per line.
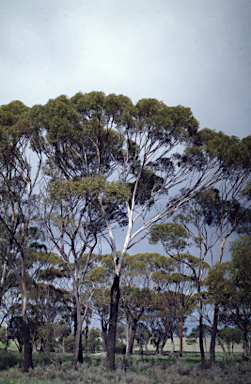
[11, 346]
[135, 369]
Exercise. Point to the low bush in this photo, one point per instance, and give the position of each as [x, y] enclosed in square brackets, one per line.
[9, 360]
[131, 370]
[120, 348]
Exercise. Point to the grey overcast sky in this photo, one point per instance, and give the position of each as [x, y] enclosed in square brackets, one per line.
[196, 53]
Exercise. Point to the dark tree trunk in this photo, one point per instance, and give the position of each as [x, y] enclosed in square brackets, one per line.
[157, 343]
[86, 337]
[7, 339]
[163, 344]
[172, 343]
[202, 353]
[111, 338]
[213, 335]
[245, 341]
[78, 349]
[28, 363]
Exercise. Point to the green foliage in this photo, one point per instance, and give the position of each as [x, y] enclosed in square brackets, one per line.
[171, 235]
[69, 343]
[231, 336]
[9, 360]
[120, 348]
[93, 342]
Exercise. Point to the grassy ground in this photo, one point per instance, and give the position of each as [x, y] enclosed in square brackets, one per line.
[134, 370]
[195, 348]
[187, 348]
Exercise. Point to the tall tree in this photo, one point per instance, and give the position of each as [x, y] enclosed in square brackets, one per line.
[177, 238]
[135, 148]
[18, 180]
[229, 285]
[71, 228]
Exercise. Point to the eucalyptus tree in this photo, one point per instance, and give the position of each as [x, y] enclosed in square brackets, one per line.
[178, 288]
[229, 286]
[200, 218]
[19, 174]
[137, 289]
[142, 151]
[71, 229]
[176, 239]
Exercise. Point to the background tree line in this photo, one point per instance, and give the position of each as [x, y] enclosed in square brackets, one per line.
[74, 170]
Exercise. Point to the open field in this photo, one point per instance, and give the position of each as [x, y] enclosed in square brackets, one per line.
[194, 348]
[186, 348]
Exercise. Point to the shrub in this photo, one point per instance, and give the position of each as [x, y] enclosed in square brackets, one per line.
[10, 360]
[120, 348]
[69, 343]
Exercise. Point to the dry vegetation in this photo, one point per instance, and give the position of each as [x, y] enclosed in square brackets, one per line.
[136, 370]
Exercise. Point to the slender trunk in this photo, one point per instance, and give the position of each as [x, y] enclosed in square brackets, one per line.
[157, 343]
[181, 335]
[222, 345]
[172, 343]
[7, 339]
[28, 363]
[104, 334]
[213, 335]
[205, 340]
[163, 344]
[78, 352]
[202, 353]
[132, 336]
[146, 347]
[2, 279]
[86, 337]
[127, 335]
[111, 339]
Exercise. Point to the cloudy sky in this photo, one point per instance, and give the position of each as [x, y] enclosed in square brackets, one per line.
[196, 53]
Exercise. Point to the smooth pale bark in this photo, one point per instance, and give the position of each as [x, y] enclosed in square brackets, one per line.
[221, 344]
[216, 309]
[104, 334]
[172, 344]
[111, 338]
[28, 363]
[2, 279]
[146, 348]
[132, 335]
[202, 353]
